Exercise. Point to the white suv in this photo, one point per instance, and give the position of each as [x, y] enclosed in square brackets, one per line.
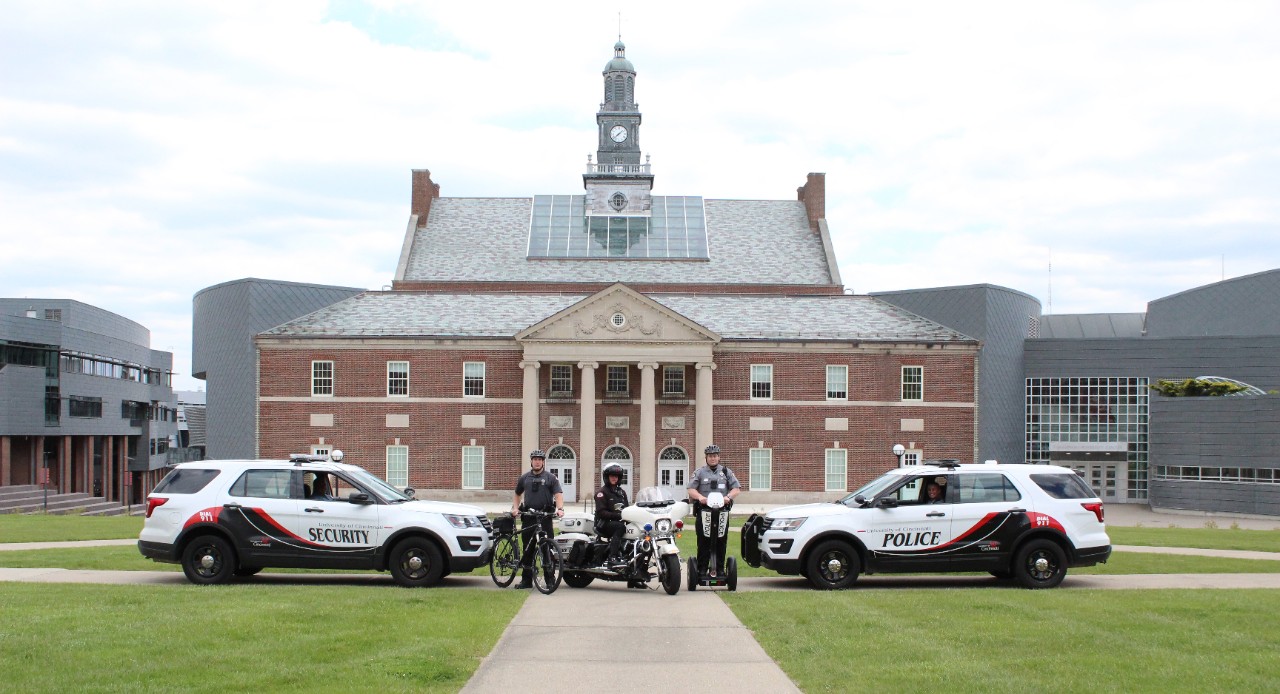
[234, 517]
[1027, 522]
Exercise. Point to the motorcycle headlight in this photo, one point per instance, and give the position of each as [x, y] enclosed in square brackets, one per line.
[462, 521]
[663, 526]
[787, 523]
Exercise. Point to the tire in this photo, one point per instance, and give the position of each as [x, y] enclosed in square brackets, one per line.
[731, 573]
[416, 563]
[1040, 564]
[208, 560]
[546, 567]
[671, 577]
[505, 562]
[833, 565]
[693, 574]
[578, 579]
[247, 571]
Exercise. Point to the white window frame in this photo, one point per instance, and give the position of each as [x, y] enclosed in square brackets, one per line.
[467, 365]
[674, 369]
[626, 379]
[760, 469]
[842, 377]
[476, 454]
[767, 384]
[317, 382]
[398, 377]
[837, 468]
[911, 458]
[397, 477]
[915, 384]
[553, 378]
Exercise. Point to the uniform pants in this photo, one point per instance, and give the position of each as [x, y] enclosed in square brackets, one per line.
[528, 536]
[616, 531]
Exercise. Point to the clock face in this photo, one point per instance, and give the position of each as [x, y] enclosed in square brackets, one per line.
[618, 133]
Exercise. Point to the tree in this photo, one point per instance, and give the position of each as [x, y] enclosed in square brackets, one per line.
[1195, 388]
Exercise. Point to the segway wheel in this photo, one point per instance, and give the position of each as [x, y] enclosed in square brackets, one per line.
[731, 573]
[693, 574]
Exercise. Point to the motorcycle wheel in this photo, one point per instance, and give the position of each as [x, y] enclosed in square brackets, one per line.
[731, 573]
[578, 579]
[671, 579]
[693, 574]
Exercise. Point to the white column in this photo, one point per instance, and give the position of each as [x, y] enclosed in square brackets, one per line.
[587, 477]
[648, 464]
[705, 434]
[529, 409]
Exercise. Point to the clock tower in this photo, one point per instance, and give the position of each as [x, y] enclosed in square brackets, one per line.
[617, 182]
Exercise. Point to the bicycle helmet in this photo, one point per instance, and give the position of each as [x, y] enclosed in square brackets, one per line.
[537, 453]
[712, 449]
[614, 469]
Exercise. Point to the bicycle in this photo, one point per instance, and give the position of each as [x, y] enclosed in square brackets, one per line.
[505, 563]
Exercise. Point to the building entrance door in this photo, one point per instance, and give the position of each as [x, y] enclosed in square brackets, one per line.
[673, 472]
[562, 463]
[1109, 480]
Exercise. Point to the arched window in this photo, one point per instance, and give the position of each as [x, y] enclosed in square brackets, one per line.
[608, 88]
[561, 452]
[673, 453]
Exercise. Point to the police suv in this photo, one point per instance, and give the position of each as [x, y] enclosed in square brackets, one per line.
[227, 518]
[1025, 522]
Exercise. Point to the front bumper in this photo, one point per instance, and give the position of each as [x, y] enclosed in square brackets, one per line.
[462, 563]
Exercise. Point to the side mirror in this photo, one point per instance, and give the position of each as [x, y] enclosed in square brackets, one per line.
[860, 500]
[408, 491]
[886, 502]
[360, 498]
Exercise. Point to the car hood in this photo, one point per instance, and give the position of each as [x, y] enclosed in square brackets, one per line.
[426, 506]
[808, 510]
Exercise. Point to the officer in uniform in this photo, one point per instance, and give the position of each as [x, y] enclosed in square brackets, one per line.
[611, 498]
[539, 490]
[712, 477]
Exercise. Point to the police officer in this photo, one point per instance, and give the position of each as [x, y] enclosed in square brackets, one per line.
[712, 477]
[611, 498]
[539, 490]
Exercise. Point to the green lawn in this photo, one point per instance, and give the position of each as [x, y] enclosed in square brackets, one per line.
[1203, 538]
[245, 637]
[50, 528]
[1018, 641]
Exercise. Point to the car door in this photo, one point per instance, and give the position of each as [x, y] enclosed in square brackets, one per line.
[261, 512]
[340, 532]
[988, 515]
[904, 533]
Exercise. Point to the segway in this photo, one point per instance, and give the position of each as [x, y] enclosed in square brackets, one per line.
[715, 519]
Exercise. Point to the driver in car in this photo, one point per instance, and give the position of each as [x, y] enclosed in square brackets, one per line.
[712, 477]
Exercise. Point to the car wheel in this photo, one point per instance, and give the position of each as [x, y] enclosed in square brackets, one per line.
[833, 565]
[578, 579]
[247, 571]
[505, 561]
[1040, 564]
[208, 559]
[416, 562]
[671, 581]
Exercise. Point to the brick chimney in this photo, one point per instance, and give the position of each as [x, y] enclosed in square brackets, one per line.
[424, 191]
[814, 196]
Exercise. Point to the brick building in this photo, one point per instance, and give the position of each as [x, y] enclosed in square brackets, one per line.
[617, 326]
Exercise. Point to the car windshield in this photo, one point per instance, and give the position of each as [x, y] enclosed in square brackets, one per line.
[387, 492]
[871, 489]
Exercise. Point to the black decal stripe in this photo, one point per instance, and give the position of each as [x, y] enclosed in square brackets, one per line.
[980, 531]
[283, 536]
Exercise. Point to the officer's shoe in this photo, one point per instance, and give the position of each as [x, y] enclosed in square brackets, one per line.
[523, 586]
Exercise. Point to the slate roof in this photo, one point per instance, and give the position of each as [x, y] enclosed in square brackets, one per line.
[734, 317]
[486, 239]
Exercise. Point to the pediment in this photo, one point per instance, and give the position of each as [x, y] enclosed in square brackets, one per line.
[618, 314]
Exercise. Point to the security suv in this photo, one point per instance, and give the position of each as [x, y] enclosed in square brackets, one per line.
[1025, 522]
[227, 518]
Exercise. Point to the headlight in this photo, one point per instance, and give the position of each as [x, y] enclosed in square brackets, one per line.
[463, 521]
[787, 523]
[663, 526]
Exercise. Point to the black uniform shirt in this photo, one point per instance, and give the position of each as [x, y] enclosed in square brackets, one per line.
[606, 499]
[538, 491]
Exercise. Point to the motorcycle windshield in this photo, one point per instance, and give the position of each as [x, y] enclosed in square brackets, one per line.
[653, 494]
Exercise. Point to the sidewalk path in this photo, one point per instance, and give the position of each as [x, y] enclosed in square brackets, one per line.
[607, 637]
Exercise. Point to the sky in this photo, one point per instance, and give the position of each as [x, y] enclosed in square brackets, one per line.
[1095, 155]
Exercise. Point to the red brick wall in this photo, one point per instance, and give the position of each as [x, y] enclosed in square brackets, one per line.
[798, 438]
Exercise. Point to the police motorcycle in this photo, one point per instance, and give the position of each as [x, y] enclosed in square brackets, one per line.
[649, 551]
[715, 519]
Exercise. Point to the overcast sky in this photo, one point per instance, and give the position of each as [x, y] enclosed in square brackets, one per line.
[1094, 155]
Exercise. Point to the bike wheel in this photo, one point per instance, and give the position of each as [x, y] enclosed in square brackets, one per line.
[546, 567]
[505, 562]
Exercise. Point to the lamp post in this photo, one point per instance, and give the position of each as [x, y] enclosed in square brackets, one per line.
[899, 450]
